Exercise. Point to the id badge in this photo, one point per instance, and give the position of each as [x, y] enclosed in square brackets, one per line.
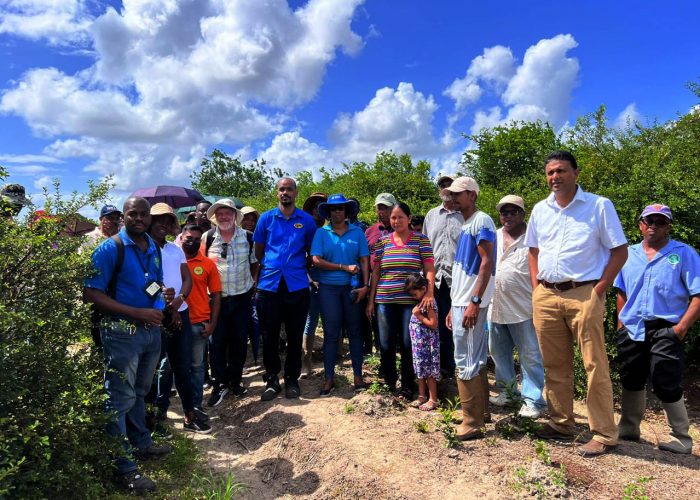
[152, 288]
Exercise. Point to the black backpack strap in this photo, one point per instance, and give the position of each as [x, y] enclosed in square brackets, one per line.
[208, 240]
[249, 237]
[112, 286]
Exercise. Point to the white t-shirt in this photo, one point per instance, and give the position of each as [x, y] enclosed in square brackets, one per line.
[173, 258]
[465, 269]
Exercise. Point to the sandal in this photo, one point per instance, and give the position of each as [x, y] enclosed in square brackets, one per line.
[430, 405]
[418, 402]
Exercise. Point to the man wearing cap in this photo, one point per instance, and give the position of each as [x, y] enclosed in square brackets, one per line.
[577, 247]
[511, 313]
[442, 226]
[658, 300]
[13, 198]
[110, 219]
[283, 239]
[130, 334]
[231, 249]
[472, 289]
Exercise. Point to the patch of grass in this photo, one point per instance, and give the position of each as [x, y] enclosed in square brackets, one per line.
[348, 408]
[636, 490]
[558, 476]
[542, 452]
[372, 362]
[376, 388]
[422, 426]
[491, 441]
[211, 486]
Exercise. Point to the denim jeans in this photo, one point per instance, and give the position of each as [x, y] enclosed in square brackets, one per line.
[131, 356]
[199, 346]
[447, 345]
[230, 339]
[338, 312]
[314, 311]
[393, 320]
[502, 339]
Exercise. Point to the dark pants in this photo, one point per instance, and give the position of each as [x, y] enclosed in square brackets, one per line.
[275, 308]
[175, 360]
[255, 334]
[447, 346]
[393, 322]
[660, 355]
[339, 312]
[230, 339]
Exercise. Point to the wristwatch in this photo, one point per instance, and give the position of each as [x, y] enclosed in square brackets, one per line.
[476, 299]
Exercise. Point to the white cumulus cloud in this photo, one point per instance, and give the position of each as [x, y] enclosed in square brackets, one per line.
[627, 116]
[57, 21]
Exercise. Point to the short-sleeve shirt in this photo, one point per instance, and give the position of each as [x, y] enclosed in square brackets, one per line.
[396, 263]
[443, 228]
[234, 270]
[512, 294]
[138, 269]
[205, 280]
[659, 288]
[173, 258]
[346, 249]
[465, 269]
[374, 233]
[286, 241]
[574, 242]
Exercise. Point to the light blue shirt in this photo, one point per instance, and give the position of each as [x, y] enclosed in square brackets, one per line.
[659, 288]
[346, 249]
[574, 242]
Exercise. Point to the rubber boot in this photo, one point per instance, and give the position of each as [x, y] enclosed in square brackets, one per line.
[471, 396]
[306, 367]
[631, 414]
[485, 382]
[677, 418]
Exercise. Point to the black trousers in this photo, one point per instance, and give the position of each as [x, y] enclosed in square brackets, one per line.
[447, 346]
[660, 356]
[229, 343]
[275, 308]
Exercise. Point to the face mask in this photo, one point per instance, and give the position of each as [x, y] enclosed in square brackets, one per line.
[191, 247]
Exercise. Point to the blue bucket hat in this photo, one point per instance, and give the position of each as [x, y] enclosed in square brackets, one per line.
[351, 206]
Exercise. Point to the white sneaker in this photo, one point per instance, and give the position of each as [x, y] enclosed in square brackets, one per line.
[529, 412]
[501, 400]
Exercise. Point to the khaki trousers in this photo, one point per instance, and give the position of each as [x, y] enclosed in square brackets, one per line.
[561, 318]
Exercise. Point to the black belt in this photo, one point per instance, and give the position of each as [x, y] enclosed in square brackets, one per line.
[566, 285]
[657, 324]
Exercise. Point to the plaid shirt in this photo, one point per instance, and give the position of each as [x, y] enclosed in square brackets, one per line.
[234, 270]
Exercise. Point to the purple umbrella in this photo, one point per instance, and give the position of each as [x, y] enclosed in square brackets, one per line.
[175, 196]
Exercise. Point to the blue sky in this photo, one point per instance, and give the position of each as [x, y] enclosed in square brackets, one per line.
[144, 88]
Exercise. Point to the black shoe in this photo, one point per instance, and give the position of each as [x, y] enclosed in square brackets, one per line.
[162, 431]
[239, 391]
[134, 481]
[154, 451]
[548, 432]
[201, 415]
[324, 393]
[217, 395]
[291, 389]
[196, 425]
[272, 389]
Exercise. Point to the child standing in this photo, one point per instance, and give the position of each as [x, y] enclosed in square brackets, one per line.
[425, 343]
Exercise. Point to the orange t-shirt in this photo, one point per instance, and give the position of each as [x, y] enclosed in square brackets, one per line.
[205, 277]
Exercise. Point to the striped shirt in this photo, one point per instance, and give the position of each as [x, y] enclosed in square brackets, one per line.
[396, 263]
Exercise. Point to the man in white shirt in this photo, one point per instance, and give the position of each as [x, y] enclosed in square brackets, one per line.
[511, 314]
[577, 247]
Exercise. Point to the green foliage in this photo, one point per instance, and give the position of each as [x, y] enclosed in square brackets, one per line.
[376, 388]
[446, 421]
[51, 400]
[422, 426]
[636, 490]
[348, 408]
[213, 487]
[542, 452]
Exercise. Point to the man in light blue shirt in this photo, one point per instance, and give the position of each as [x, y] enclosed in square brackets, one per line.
[658, 300]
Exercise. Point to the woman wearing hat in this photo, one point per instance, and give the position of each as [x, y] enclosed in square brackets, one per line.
[341, 255]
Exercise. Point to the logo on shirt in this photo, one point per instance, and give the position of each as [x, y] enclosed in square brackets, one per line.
[674, 258]
[198, 270]
[298, 225]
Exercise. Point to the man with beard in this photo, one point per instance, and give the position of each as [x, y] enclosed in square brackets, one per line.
[130, 334]
[283, 239]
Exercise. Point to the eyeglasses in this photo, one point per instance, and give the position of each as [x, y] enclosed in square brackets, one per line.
[224, 250]
[655, 222]
[506, 213]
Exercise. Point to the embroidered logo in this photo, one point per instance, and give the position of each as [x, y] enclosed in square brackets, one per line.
[298, 225]
[198, 270]
[674, 258]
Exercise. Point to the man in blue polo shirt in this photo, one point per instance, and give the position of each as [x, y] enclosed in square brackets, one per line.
[658, 300]
[130, 330]
[283, 239]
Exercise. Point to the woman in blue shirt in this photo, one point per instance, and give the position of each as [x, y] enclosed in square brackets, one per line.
[341, 254]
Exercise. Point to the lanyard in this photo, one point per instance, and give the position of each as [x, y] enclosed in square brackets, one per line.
[139, 258]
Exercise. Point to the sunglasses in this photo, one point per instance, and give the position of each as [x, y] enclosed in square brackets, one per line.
[224, 250]
[506, 213]
[655, 222]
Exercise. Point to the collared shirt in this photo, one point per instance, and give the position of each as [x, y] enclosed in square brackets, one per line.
[443, 228]
[346, 250]
[465, 269]
[512, 294]
[234, 270]
[173, 258]
[205, 280]
[659, 288]
[575, 241]
[374, 233]
[138, 270]
[92, 239]
[287, 242]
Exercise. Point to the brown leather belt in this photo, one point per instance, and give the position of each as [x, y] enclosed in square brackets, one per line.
[566, 285]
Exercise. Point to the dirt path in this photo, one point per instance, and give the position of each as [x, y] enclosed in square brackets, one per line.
[369, 446]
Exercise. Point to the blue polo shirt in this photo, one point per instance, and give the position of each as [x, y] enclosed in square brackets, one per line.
[286, 244]
[659, 288]
[132, 277]
[346, 249]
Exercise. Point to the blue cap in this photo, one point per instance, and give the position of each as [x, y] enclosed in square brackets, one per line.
[657, 209]
[109, 209]
[351, 206]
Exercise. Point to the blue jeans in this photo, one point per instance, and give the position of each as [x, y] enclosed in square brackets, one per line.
[230, 339]
[314, 310]
[338, 312]
[393, 320]
[131, 356]
[199, 346]
[502, 339]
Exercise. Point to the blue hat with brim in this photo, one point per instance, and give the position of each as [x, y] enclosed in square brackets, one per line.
[351, 206]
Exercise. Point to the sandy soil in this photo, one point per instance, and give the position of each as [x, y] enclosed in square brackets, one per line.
[369, 446]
